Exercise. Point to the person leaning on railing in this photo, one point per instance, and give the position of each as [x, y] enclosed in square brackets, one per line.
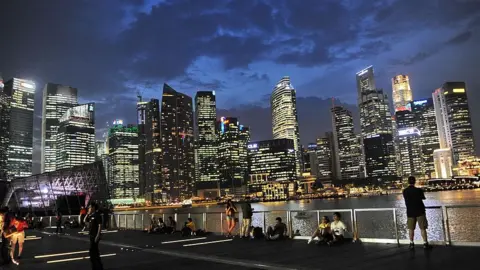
[247, 213]
[415, 212]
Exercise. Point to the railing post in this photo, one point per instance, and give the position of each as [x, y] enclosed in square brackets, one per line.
[221, 223]
[118, 221]
[204, 216]
[318, 217]
[355, 226]
[50, 222]
[264, 223]
[189, 215]
[125, 217]
[290, 223]
[446, 226]
[175, 217]
[134, 221]
[396, 225]
[143, 222]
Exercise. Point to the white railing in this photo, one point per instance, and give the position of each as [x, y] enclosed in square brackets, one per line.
[371, 225]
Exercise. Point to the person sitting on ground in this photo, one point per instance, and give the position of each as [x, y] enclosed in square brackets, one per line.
[338, 229]
[189, 228]
[153, 225]
[171, 225]
[161, 225]
[278, 231]
[323, 231]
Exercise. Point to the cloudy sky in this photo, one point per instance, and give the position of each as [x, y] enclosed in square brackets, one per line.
[112, 49]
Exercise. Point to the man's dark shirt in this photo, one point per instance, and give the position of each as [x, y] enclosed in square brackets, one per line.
[414, 201]
[247, 210]
[280, 228]
[95, 220]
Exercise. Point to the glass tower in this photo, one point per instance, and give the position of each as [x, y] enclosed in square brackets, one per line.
[401, 92]
[4, 131]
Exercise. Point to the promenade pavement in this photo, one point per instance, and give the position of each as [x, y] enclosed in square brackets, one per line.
[139, 250]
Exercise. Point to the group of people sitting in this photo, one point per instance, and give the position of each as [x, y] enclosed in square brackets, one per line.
[159, 226]
[330, 232]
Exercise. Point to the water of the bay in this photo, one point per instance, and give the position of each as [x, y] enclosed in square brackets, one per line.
[463, 221]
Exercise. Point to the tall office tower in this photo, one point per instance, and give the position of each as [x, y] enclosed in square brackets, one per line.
[310, 160]
[346, 147]
[57, 99]
[124, 163]
[149, 146]
[375, 116]
[20, 151]
[177, 143]
[272, 160]
[411, 153]
[75, 139]
[283, 102]
[100, 150]
[453, 120]
[424, 113]
[365, 82]
[324, 157]
[232, 155]
[380, 157]
[401, 92]
[206, 142]
[4, 131]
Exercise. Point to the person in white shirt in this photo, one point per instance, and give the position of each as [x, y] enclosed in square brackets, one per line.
[337, 228]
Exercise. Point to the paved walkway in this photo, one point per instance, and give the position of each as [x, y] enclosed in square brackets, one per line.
[138, 250]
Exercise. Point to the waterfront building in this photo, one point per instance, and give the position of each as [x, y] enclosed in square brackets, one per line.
[21, 95]
[124, 162]
[206, 150]
[324, 157]
[401, 93]
[443, 163]
[409, 144]
[454, 121]
[310, 160]
[346, 154]
[283, 104]
[232, 156]
[4, 131]
[177, 143]
[149, 149]
[75, 139]
[57, 99]
[380, 157]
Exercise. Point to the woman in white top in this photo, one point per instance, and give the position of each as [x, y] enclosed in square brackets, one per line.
[338, 229]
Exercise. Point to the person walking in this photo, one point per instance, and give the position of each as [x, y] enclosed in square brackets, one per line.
[415, 212]
[95, 220]
[247, 213]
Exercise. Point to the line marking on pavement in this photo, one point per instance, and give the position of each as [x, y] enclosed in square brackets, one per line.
[80, 258]
[184, 240]
[208, 243]
[33, 238]
[60, 254]
[103, 231]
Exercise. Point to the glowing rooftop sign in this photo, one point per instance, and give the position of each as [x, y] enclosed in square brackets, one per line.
[420, 102]
[363, 71]
[27, 85]
[252, 146]
[118, 122]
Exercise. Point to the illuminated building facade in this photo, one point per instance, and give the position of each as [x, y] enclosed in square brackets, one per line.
[283, 103]
[401, 92]
[57, 99]
[310, 160]
[75, 139]
[347, 150]
[177, 143]
[380, 157]
[206, 150]
[424, 113]
[4, 131]
[375, 117]
[453, 120]
[272, 160]
[124, 163]
[232, 155]
[409, 145]
[100, 150]
[365, 82]
[325, 156]
[149, 146]
[443, 163]
[21, 95]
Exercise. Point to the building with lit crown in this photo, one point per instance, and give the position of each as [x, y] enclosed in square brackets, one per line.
[75, 139]
[283, 103]
[177, 144]
[57, 99]
[123, 175]
[206, 150]
[21, 95]
[401, 92]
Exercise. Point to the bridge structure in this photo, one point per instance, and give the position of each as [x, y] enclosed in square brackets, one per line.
[43, 191]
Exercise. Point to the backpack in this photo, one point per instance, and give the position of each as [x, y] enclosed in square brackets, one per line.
[257, 233]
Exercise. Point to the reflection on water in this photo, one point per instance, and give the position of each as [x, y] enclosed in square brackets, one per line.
[379, 224]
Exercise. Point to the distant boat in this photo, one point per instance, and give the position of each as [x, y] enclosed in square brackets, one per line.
[303, 215]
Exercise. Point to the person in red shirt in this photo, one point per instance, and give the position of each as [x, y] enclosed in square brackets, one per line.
[18, 236]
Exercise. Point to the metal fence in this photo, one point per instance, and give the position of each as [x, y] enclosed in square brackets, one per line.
[448, 225]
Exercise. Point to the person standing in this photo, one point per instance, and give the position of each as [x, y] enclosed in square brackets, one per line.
[59, 222]
[230, 211]
[18, 237]
[83, 214]
[95, 220]
[5, 223]
[247, 213]
[415, 212]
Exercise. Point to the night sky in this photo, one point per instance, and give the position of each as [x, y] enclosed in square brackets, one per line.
[110, 49]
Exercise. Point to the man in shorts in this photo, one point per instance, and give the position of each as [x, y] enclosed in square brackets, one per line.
[415, 212]
[17, 237]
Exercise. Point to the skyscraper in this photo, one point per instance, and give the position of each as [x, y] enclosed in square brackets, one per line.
[324, 157]
[177, 143]
[365, 81]
[346, 147]
[75, 139]
[375, 116]
[310, 160]
[124, 163]
[380, 157]
[149, 146]
[22, 95]
[283, 104]
[206, 150]
[232, 155]
[401, 92]
[410, 149]
[4, 131]
[453, 120]
[57, 99]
